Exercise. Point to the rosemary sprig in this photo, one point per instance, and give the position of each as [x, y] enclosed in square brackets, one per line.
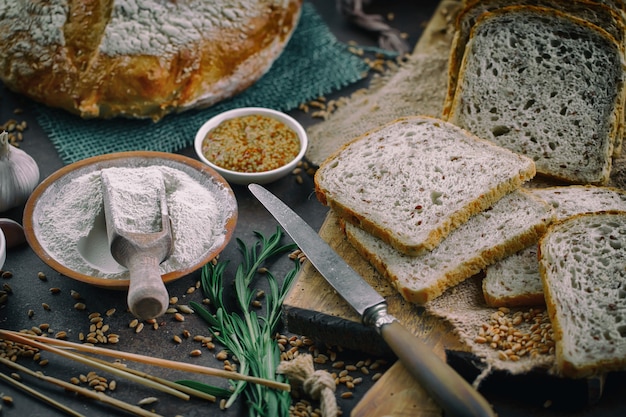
[245, 334]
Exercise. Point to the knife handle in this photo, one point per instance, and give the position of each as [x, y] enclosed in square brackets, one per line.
[449, 390]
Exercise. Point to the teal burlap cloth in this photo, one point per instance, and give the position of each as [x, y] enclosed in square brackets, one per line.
[314, 63]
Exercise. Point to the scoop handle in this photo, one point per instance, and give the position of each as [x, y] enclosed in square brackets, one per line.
[147, 295]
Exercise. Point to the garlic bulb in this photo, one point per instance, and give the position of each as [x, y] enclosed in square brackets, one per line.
[19, 174]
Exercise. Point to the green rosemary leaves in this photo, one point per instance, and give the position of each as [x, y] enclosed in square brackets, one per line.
[245, 334]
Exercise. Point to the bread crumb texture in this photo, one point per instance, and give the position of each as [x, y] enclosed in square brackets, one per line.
[583, 268]
[514, 222]
[530, 83]
[416, 179]
[515, 280]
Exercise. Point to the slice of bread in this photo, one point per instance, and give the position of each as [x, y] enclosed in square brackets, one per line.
[577, 199]
[607, 17]
[599, 14]
[414, 180]
[515, 280]
[511, 224]
[521, 85]
[583, 268]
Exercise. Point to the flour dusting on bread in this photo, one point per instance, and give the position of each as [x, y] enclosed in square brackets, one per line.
[140, 58]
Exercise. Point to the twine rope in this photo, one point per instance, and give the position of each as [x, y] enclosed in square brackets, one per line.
[317, 384]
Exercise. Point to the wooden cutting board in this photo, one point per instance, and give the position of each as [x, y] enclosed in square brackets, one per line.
[313, 307]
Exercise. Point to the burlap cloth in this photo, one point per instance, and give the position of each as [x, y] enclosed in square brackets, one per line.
[419, 87]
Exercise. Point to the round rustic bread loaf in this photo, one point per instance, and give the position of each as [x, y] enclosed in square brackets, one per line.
[140, 58]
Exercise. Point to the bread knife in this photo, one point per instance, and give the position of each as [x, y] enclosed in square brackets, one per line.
[455, 396]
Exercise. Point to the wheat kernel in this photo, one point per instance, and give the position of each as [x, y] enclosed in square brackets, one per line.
[147, 401]
[185, 309]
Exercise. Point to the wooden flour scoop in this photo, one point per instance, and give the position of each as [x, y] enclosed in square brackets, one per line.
[139, 240]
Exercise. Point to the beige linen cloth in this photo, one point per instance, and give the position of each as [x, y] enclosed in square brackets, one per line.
[418, 86]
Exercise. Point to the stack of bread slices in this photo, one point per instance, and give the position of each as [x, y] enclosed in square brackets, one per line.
[430, 204]
[534, 89]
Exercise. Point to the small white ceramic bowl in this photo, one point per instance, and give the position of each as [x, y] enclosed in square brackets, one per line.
[3, 249]
[245, 178]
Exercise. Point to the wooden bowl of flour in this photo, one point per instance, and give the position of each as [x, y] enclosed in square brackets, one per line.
[65, 226]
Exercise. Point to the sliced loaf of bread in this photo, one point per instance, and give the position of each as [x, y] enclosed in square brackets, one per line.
[515, 280]
[414, 180]
[594, 12]
[583, 267]
[521, 85]
[511, 224]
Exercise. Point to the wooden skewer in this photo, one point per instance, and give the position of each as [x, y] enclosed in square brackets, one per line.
[164, 363]
[83, 391]
[41, 396]
[19, 337]
[171, 384]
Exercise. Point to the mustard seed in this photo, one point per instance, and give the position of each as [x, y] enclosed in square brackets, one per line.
[252, 143]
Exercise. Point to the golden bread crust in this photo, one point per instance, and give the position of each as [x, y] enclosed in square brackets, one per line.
[140, 58]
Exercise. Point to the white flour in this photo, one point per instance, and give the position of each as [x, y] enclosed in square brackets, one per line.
[70, 224]
[135, 198]
[134, 27]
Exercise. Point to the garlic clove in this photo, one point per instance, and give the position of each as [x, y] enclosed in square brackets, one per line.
[19, 174]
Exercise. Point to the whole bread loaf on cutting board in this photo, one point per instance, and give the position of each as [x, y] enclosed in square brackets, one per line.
[140, 58]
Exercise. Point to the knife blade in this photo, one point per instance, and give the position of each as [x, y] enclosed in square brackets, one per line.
[455, 396]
